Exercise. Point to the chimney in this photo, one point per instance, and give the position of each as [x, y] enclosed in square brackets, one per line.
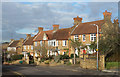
[21, 39]
[40, 29]
[107, 15]
[77, 20]
[12, 39]
[116, 21]
[55, 27]
[28, 35]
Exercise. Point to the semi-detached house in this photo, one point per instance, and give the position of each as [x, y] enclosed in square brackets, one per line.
[86, 32]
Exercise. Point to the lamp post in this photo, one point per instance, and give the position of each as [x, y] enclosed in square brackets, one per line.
[97, 44]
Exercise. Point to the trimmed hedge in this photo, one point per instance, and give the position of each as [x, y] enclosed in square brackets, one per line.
[16, 57]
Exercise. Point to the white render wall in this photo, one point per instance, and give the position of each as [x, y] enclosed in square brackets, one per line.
[11, 48]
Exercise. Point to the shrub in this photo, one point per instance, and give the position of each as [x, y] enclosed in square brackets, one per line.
[42, 59]
[69, 63]
[64, 57]
[17, 57]
[72, 56]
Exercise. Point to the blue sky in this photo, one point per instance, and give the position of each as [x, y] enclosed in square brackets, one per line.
[20, 18]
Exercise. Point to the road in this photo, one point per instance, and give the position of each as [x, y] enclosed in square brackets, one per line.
[23, 70]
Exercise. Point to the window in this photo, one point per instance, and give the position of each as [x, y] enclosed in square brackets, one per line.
[32, 47]
[28, 46]
[53, 43]
[83, 37]
[56, 43]
[76, 37]
[64, 43]
[35, 43]
[24, 47]
[41, 43]
[92, 37]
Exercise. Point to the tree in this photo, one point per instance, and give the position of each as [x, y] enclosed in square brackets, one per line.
[109, 41]
[41, 50]
[76, 45]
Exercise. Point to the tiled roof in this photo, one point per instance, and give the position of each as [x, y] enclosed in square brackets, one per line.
[14, 43]
[39, 36]
[29, 41]
[86, 28]
[62, 34]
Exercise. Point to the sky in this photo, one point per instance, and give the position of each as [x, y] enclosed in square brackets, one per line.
[21, 18]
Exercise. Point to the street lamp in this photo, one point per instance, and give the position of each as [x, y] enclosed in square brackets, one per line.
[97, 44]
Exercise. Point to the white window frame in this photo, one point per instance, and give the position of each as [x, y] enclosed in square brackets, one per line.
[83, 37]
[64, 42]
[41, 43]
[31, 47]
[76, 37]
[25, 47]
[35, 43]
[28, 47]
[56, 43]
[92, 36]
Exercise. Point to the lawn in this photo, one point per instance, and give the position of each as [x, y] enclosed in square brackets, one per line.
[112, 65]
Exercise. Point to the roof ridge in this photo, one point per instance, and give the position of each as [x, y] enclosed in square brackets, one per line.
[92, 21]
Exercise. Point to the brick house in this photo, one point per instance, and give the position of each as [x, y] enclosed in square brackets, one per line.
[28, 44]
[87, 33]
[57, 38]
[16, 45]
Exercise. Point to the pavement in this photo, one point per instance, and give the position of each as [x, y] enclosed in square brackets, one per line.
[23, 70]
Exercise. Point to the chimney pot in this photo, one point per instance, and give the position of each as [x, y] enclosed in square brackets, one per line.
[40, 29]
[55, 27]
[28, 35]
[12, 39]
[107, 15]
[77, 20]
[21, 39]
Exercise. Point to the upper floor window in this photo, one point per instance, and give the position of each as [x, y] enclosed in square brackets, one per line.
[35, 43]
[41, 43]
[24, 47]
[64, 43]
[53, 43]
[83, 37]
[31, 47]
[92, 37]
[56, 43]
[76, 37]
[28, 46]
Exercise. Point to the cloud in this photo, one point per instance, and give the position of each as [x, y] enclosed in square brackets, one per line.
[21, 18]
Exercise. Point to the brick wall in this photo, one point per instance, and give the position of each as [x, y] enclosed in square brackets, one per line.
[92, 63]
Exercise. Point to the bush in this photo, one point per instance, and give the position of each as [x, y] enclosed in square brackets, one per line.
[42, 59]
[72, 56]
[17, 57]
[64, 57]
[69, 63]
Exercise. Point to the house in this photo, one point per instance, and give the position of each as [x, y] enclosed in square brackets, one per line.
[87, 32]
[28, 44]
[56, 39]
[16, 46]
[59, 38]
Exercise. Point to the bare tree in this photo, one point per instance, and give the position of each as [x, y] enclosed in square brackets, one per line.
[76, 44]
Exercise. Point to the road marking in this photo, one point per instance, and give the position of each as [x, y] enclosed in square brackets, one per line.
[16, 73]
